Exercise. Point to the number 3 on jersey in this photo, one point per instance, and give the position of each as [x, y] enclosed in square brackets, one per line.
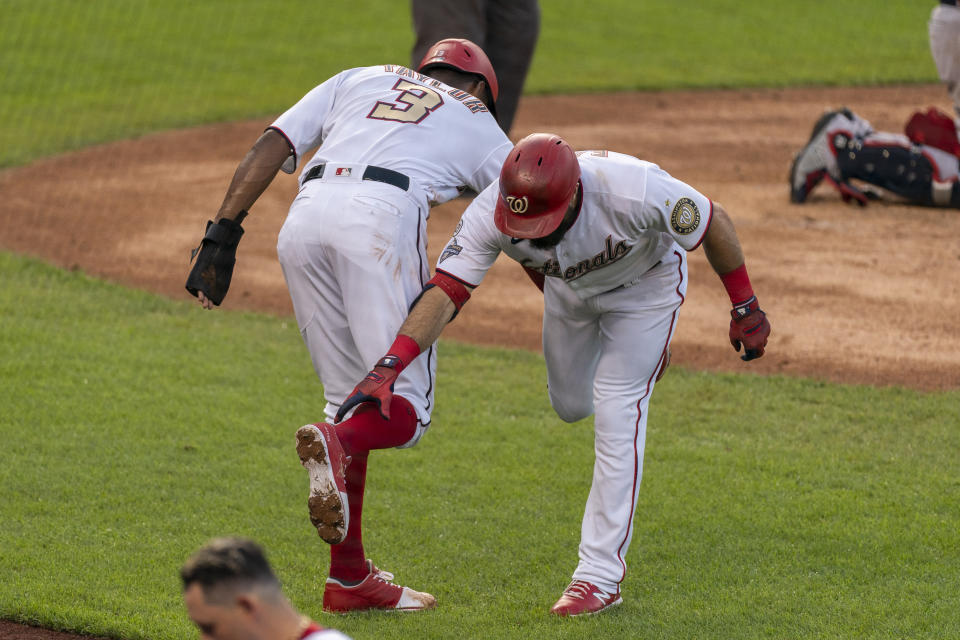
[415, 103]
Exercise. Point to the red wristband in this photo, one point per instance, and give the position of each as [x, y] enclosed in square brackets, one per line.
[405, 349]
[737, 283]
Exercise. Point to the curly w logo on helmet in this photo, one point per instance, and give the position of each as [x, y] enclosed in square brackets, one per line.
[518, 205]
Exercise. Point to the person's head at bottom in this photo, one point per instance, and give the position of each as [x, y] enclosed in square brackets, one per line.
[231, 593]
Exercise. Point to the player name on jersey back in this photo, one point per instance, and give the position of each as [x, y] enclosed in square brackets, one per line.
[474, 104]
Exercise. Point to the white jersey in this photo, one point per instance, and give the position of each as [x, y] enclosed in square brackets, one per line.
[316, 632]
[632, 213]
[444, 139]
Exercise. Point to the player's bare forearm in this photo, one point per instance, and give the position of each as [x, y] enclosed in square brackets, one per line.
[428, 317]
[254, 174]
[749, 327]
[721, 245]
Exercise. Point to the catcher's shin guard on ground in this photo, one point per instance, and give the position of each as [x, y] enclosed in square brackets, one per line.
[901, 169]
[323, 458]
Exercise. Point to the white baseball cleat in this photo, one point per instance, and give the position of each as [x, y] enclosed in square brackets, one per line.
[322, 456]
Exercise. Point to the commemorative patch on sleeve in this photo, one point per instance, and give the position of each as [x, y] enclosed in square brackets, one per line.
[685, 217]
[452, 249]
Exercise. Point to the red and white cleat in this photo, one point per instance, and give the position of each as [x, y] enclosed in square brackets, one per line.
[375, 592]
[584, 598]
[322, 456]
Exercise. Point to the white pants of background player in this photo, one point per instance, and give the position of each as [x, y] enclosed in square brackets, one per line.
[602, 357]
[944, 30]
[354, 257]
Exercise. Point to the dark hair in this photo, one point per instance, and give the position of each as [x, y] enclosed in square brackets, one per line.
[226, 565]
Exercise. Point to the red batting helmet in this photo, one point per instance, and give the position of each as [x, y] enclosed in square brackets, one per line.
[462, 55]
[537, 183]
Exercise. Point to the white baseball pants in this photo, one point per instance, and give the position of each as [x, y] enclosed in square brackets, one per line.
[602, 357]
[944, 29]
[353, 253]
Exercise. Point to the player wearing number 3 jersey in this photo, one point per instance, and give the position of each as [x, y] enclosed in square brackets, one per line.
[392, 143]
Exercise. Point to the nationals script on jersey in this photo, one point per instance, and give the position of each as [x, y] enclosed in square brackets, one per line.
[632, 213]
[392, 117]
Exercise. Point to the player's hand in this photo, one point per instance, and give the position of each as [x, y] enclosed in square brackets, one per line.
[212, 269]
[749, 326]
[376, 387]
[205, 302]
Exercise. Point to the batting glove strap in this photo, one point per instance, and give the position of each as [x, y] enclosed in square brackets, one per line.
[225, 232]
[745, 308]
[390, 361]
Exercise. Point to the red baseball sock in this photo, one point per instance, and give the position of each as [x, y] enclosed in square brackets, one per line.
[366, 429]
[347, 560]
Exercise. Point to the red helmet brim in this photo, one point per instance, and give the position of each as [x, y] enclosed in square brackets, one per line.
[527, 227]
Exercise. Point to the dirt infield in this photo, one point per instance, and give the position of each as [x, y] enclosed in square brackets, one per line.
[853, 295]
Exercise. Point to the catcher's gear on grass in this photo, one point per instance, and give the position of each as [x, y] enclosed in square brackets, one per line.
[749, 326]
[215, 258]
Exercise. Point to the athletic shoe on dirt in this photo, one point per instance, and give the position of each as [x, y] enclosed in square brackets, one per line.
[322, 456]
[817, 160]
[584, 598]
[375, 592]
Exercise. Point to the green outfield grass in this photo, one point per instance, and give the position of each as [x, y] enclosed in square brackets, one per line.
[79, 73]
[135, 428]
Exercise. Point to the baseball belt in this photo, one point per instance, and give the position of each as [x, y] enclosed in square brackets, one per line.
[377, 174]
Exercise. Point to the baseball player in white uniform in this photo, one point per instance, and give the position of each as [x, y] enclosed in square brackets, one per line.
[392, 142]
[607, 234]
[944, 31]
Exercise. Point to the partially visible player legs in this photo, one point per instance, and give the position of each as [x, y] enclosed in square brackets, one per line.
[356, 275]
[435, 20]
[944, 29]
[506, 30]
[634, 328]
[513, 27]
[571, 346]
[351, 589]
[636, 337]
